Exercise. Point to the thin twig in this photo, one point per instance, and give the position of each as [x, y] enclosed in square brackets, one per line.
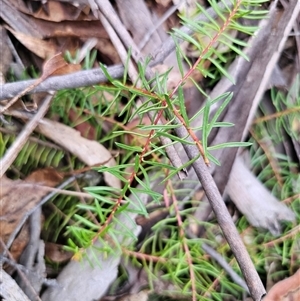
[25, 185]
[22, 275]
[109, 13]
[224, 219]
[186, 248]
[13, 264]
[277, 115]
[22, 138]
[133, 74]
[28, 213]
[105, 6]
[78, 79]
[33, 257]
[222, 262]
[160, 22]
[291, 234]
[95, 76]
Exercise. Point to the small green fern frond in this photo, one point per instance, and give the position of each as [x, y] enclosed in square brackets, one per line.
[35, 153]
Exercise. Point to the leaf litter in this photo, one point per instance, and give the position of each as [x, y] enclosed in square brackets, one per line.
[56, 27]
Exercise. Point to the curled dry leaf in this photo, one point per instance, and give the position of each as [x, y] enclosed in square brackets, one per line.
[56, 253]
[88, 151]
[285, 290]
[56, 65]
[17, 198]
[41, 48]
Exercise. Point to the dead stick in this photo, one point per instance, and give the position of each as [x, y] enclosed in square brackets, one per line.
[95, 76]
[16, 147]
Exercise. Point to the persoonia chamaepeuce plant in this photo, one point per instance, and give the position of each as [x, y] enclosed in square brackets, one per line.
[144, 169]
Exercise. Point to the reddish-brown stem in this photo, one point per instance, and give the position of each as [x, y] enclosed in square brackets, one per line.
[291, 233]
[176, 113]
[143, 256]
[277, 115]
[185, 246]
[272, 160]
[130, 180]
[206, 49]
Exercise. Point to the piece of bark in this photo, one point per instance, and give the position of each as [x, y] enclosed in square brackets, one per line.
[9, 290]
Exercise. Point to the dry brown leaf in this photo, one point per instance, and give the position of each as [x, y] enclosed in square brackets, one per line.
[78, 29]
[58, 66]
[53, 65]
[56, 253]
[17, 199]
[88, 151]
[43, 49]
[108, 50]
[12, 13]
[19, 243]
[58, 11]
[285, 290]
[246, 191]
